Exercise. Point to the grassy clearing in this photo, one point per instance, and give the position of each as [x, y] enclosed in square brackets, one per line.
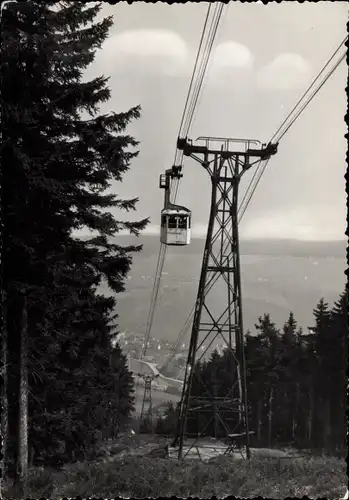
[143, 477]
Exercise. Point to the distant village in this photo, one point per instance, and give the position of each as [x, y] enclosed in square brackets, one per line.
[158, 352]
[132, 345]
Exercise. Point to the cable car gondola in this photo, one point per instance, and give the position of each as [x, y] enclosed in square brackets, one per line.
[175, 225]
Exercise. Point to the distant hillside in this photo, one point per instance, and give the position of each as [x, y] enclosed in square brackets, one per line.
[277, 276]
[293, 248]
[275, 247]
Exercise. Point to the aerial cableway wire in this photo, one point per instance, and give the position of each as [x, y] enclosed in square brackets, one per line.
[179, 154]
[174, 186]
[154, 297]
[278, 135]
[274, 138]
[192, 106]
[288, 122]
[203, 67]
[281, 135]
[194, 73]
[163, 248]
[183, 132]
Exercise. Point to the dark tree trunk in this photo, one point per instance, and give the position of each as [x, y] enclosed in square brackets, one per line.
[310, 417]
[327, 424]
[259, 419]
[295, 414]
[214, 410]
[12, 389]
[4, 415]
[270, 417]
[22, 437]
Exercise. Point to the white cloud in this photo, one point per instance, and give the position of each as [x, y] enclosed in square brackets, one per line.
[232, 55]
[145, 50]
[230, 64]
[287, 71]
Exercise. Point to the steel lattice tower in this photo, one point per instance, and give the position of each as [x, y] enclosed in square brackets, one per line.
[225, 160]
[146, 417]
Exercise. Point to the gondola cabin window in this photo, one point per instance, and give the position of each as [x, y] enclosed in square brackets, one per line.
[175, 226]
[172, 222]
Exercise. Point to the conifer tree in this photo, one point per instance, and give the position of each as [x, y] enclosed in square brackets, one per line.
[270, 344]
[291, 377]
[323, 348]
[60, 156]
[289, 401]
[338, 366]
[256, 377]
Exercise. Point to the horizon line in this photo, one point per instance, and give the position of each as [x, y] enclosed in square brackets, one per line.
[242, 238]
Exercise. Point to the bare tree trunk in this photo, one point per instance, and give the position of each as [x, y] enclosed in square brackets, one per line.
[310, 416]
[22, 457]
[295, 414]
[259, 419]
[4, 415]
[214, 409]
[270, 417]
[327, 423]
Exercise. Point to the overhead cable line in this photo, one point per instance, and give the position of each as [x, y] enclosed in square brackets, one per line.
[202, 70]
[286, 124]
[273, 139]
[179, 154]
[279, 134]
[192, 105]
[290, 119]
[154, 297]
[194, 70]
[174, 186]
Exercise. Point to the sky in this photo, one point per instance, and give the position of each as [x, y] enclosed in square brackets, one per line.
[264, 58]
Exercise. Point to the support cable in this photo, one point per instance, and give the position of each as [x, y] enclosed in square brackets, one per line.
[194, 71]
[200, 79]
[288, 122]
[281, 134]
[188, 122]
[278, 135]
[273, 139]
[203, 67]
[174, 185]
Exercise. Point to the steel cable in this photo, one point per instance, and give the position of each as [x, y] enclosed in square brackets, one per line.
[175, 185]
[287, 123]
[276, 138]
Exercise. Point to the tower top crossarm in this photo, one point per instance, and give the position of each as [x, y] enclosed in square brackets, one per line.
[227, 147]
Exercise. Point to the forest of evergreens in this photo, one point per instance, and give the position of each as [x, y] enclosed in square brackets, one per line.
[296, 383]
[66, 386]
